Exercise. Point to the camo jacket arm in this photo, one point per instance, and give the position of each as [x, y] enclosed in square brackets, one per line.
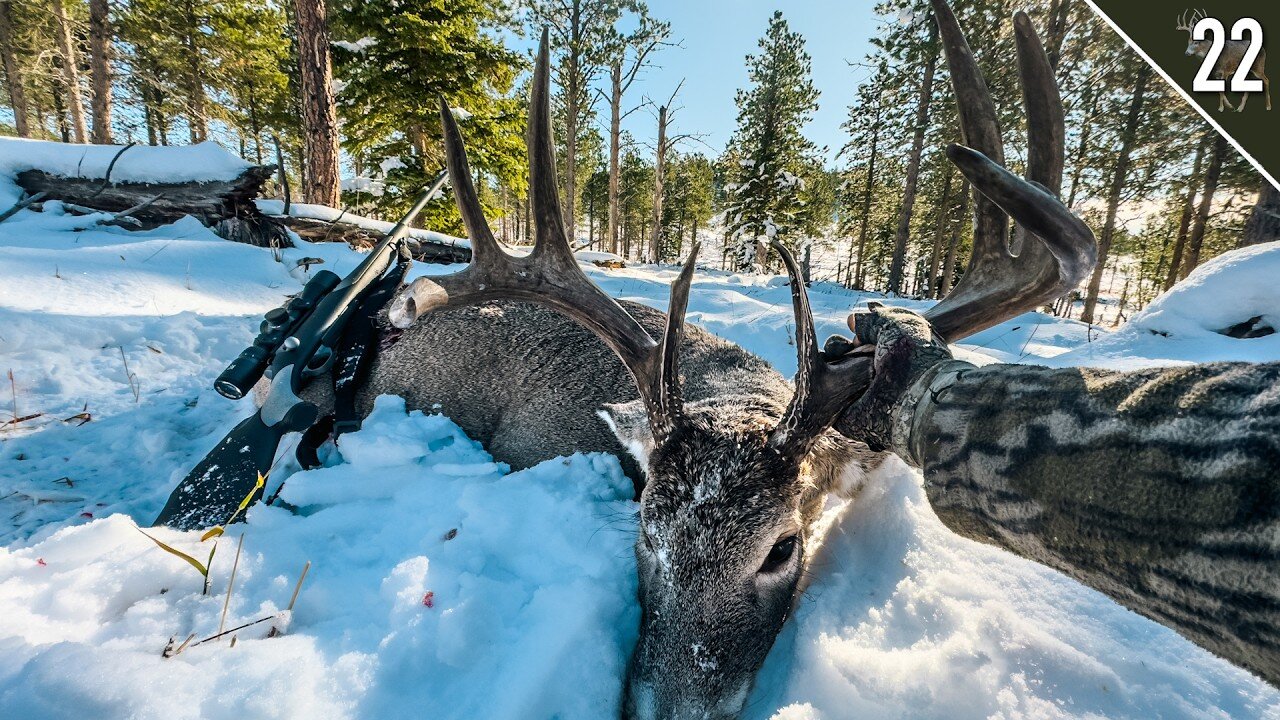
[1157, 487]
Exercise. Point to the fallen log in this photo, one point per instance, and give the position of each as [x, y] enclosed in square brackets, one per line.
[315, 230]
[225, 205]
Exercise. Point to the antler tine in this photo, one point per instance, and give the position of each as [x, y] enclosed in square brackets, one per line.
[484, 247]
[1045, 128]
[998, 285]
[550, 275]
[822, 389]
[550, 236]
[979, 127]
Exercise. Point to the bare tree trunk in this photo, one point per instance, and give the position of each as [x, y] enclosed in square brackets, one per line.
[615, 150]
[13, 78]
[573, 90]
[1264, 221]
[858, 276]
[957, 230]
[659, 177]
[938, 233]
[70, 72]
[1118, 177]
[1082, 147]
[1188, 208]
[60, 109]
[913, 165]
[1056, 32]
[197, 122]
[254, 125]
[100, 65]
[319, 114]
[1211, 176]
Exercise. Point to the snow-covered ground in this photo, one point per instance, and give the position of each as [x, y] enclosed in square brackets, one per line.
[444, 586]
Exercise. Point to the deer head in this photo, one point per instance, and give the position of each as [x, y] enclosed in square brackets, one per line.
[1195, 48]
[725, 511]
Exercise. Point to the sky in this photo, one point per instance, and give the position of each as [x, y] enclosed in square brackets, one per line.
[717, 35]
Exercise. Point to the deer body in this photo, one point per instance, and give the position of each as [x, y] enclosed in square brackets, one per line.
[1228, 63]
[530, 384]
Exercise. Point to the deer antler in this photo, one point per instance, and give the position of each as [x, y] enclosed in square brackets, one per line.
[1189, 24]
[998, 284]
[550, 275]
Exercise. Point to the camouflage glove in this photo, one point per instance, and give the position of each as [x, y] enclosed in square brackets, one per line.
[908, 355]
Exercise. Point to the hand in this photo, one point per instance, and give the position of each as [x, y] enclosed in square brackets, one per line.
[905, 349]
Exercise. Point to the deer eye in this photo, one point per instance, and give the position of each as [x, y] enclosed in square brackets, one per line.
[779, 554]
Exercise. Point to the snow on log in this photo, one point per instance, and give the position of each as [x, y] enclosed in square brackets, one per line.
[316, 230]
[210, 201]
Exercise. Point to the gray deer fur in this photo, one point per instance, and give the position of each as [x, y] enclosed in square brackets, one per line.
[532, 385]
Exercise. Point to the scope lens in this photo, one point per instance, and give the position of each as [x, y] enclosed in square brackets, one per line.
[228, 389]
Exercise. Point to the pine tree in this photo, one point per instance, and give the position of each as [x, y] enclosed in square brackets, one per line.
[319, 112]
[394, 61]
[100, 65]
[69, 53]
[14, 78]
[770, 153]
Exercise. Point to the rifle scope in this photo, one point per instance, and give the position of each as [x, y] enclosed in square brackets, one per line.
[277, 325]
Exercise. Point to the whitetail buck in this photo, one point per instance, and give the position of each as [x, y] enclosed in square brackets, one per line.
[1229, 59]
[731, 462]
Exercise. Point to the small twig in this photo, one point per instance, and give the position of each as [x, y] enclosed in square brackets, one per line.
[133, 385]
[298, 587]
[231, 584]
[169, 650]
[284, 176]
[127, 213]
[13, 391]
[22, 204]
[235, 629]
[82, 209]
[110, 166]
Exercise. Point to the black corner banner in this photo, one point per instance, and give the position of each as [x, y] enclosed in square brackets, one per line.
[1231, 54]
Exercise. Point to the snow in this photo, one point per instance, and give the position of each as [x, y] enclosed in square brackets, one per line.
[328, 214]
[140, 163]
[1186, 324]
[358, 46]
[444, 585]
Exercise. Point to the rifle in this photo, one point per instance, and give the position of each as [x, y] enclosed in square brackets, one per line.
[296, 343]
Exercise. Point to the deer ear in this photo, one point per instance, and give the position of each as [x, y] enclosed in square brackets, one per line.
[630, 424]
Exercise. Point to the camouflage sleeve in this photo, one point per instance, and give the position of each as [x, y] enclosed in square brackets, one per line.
[1159, 488]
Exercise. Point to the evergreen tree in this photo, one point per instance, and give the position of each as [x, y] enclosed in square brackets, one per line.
[771, 155]
[394, 60]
